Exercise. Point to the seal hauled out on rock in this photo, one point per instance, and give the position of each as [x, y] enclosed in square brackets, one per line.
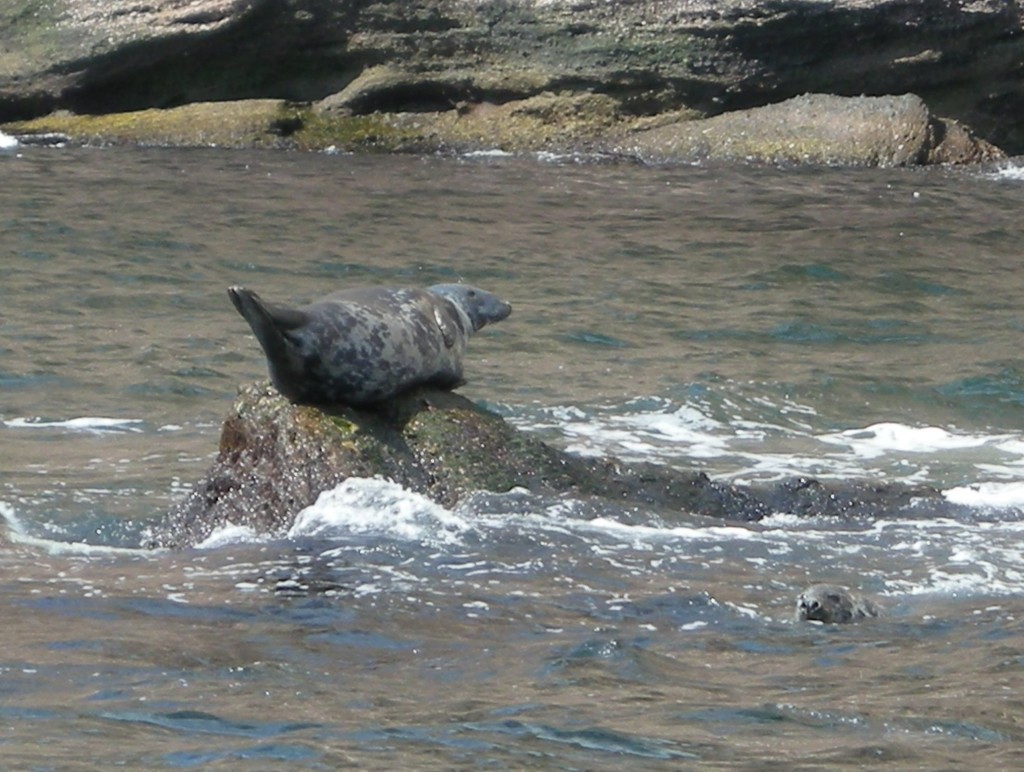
[361, 346]
[833, 604]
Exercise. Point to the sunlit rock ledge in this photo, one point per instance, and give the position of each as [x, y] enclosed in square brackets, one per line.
[276, 458]
[810, 129]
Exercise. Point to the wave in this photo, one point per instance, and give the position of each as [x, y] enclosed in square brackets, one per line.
[1012, 170]
[17, 533]
[93, 424]
[525, 534]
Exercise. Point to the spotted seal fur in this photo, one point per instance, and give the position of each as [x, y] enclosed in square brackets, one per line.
[833, 604]
[361, 346]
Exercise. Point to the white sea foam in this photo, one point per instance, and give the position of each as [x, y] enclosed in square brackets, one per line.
[641, 434]
[230, 534]
[635, 533]
[999, 495]
[491, 153]
[941, 556]
[377, 506]
[1011, 171]
[881, 438]
[7, 142]
[93, 424]
[744, 449]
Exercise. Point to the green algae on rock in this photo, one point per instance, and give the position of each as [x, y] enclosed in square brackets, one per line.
[811, 129]
[251, 123]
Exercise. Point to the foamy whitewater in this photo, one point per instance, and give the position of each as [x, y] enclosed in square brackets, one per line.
[733, 447]
[92, 424]
[1012, 171]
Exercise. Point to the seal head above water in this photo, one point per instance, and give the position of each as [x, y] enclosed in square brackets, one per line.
[361, 346]
[833, 604]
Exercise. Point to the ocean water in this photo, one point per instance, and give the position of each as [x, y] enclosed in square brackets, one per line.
[755, 323]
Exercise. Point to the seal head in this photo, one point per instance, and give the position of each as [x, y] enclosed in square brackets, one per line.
[833, 604]
[480, 307]
[362, 346]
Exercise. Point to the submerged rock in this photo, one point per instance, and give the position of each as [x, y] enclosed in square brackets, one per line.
[276, 458]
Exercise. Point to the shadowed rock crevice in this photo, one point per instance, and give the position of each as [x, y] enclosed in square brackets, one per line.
[250, 55]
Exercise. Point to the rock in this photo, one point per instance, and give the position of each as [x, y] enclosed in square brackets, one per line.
[396, 57]
[812, 129]
[276, 458]
[817, 129]
[259, 123]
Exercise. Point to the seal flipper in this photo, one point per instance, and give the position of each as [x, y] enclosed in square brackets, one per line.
[269, 324]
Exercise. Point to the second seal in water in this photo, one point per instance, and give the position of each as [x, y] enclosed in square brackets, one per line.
[833, 604]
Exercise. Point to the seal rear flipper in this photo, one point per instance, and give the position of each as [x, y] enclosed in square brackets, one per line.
[268, 322]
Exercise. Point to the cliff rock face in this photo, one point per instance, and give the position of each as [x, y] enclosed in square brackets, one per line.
[964, 58]
[276, 458]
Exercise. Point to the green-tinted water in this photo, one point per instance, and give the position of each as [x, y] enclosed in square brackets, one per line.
[755, 323]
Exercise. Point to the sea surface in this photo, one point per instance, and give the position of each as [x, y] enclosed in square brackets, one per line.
[755, 323]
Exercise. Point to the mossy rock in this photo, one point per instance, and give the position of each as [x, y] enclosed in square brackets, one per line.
[276, 458]
[246, 123]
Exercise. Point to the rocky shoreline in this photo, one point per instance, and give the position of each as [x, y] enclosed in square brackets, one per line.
[810, 129]
[862, 82]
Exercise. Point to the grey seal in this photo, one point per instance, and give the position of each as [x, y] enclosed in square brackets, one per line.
[833, 604]
[361, 346]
